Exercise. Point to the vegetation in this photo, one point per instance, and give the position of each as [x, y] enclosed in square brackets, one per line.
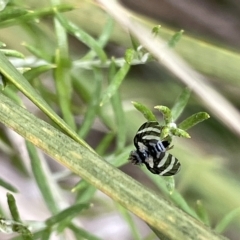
[87, 106]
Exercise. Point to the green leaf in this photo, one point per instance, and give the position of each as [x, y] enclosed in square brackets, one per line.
[69, 213]
[176, 197]
[85, 195]
[36, 71]
[223, 224]
[180, 104]
[134, 41]
[175, 39]
[13, 76]
[12, 53]
[93, 106]
[62, 75]
[11, 13]
[42, 179]
[156, 30]
[115, 83]
[2, 44]
[82, 36]
[103, 39]
[202, 213]
[128, 218]
[167, 115]
[37, 52]
[170, 183]
[8, 186]
[120, 187]
[118, 112]
[147, 113]
[193, 120]
[83, 233]
[46, 233]
[13, 207]
[129, 55]
[105, 143]
[37, 14]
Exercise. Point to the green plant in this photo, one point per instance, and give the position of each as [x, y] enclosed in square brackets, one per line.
[63, 138]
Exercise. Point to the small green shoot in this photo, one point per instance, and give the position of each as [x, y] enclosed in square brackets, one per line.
[169, 127]
[175, 39]
[15, 225]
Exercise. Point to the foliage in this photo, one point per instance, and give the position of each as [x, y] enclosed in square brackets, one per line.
[80, 88]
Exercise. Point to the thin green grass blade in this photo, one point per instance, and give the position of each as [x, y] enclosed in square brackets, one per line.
[37, 52]
[69, 213]
[36, 71]
[202, 213]
[42, 179]
[13, 76]
[37, 14]
[123, 189]
[180, 104]
[103, 39]
[83, 233]
[118, 112]
[62, 75]
[8, 186]
[82, 36]
[11, 13]
[12, 53]
[115, 83]
[93, 106]
[128, 218]
[223, 224]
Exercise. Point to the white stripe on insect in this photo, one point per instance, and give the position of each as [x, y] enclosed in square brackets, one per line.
[170, 166]
[163, 161]
[151, 137]
[149, 160]
[142, 147]
[149, 129]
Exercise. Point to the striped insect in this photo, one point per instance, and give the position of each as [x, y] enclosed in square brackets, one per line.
[151, 151]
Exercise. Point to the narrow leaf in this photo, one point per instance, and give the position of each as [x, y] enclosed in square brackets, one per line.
[36, 71]
[13, 207]
[83, 233]
[175, 39]
[118, 112]
[8, 186]
[147, 113]
[82, 36]
[202, 213]
[70, 213]
[129, 55]
[193, 120]
[12, 53]
[11, 13]
[223, 224]
[167, 115]
[132, 195]
[128, 218]
[180, 104]
[115, 83]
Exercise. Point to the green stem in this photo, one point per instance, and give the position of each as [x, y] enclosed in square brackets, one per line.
[165, 218]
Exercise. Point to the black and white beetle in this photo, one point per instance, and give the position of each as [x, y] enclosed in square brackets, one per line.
[151, 151]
